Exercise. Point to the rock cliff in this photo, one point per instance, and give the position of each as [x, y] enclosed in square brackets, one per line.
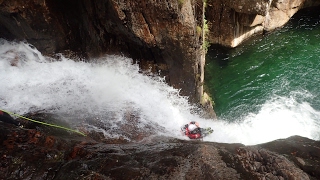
[164, 36]
[231, 22]
[160, 35]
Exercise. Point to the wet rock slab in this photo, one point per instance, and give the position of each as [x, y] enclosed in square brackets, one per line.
[34, 154]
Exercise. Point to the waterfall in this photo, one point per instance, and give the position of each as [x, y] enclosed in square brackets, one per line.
[111, 92]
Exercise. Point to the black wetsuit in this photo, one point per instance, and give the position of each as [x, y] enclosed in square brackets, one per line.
[5, 117]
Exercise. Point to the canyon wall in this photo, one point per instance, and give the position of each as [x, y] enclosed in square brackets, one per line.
[166, 37]
[163, 36]
[231, 22]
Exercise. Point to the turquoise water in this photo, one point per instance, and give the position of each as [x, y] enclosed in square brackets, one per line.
[278, 72]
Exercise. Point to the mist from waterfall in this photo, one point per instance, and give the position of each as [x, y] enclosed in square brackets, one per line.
[111, 87]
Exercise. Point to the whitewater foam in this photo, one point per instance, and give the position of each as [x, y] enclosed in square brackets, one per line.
[112, 87]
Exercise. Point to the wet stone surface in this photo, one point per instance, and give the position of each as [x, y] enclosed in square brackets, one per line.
[31, 153]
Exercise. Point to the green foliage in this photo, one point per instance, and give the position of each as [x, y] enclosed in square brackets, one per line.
[206, 43]
[205, 3]
[199, 31]
[206, 98]
[181, 2]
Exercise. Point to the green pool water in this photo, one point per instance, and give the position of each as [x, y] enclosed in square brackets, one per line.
[278, 71]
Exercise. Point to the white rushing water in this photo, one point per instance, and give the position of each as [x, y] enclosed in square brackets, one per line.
[112, 87]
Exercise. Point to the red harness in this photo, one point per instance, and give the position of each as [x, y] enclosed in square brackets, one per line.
[1, 113]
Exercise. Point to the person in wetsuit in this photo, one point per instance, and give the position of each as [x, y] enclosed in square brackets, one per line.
[192, 130]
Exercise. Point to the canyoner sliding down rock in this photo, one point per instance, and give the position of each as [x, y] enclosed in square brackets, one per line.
[118, 111]
[107, 87]
[194, 131]
[49, 85]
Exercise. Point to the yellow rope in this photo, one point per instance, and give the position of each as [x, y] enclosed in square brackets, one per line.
[52, 125]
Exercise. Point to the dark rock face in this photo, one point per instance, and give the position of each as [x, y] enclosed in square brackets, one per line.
[162, 35]
[231, 22]
[34, 154]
